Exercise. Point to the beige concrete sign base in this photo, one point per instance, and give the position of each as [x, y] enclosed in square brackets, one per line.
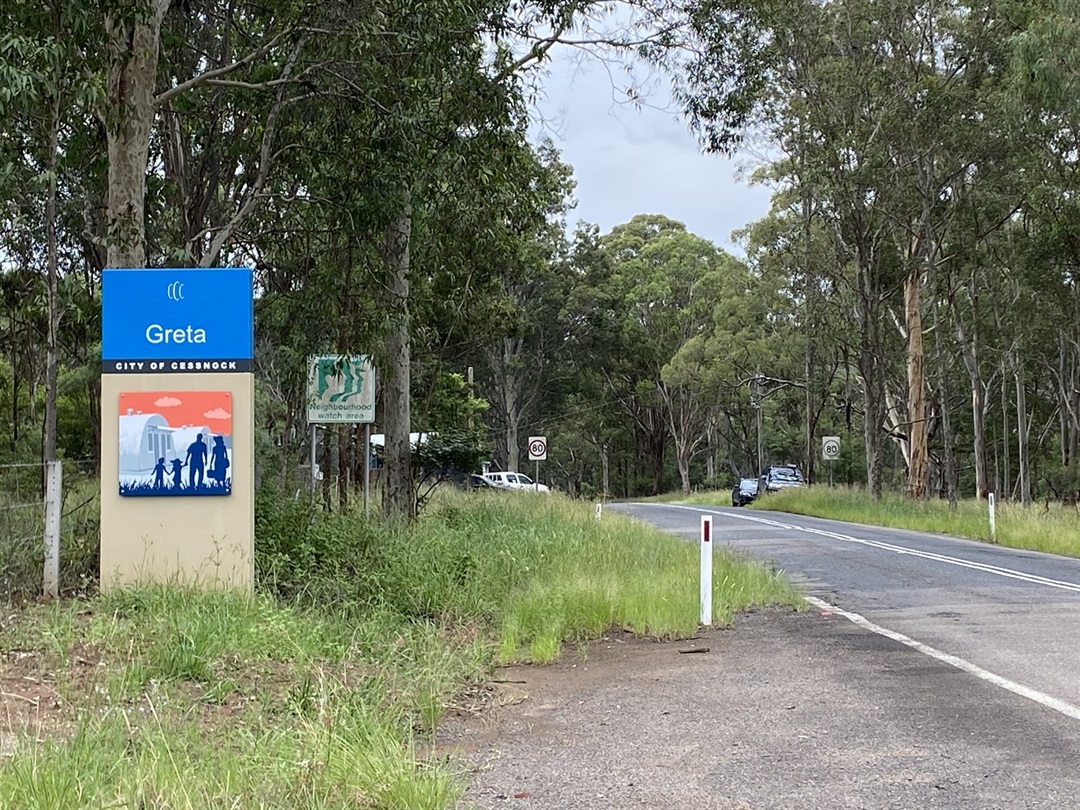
[198, 541]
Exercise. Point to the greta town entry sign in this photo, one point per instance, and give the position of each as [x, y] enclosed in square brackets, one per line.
[162, 320]
[177, 423]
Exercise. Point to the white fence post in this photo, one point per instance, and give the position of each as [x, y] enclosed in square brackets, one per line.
[54, 475]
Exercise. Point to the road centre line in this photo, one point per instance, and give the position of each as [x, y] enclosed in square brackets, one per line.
[1042, 698]
[927, 555]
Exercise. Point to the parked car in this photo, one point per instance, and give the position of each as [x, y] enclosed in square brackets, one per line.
[744, 492]
[514, 481]
[781, 476]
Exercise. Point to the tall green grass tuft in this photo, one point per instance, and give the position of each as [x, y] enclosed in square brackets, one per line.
[1041, 527]
[544, 571]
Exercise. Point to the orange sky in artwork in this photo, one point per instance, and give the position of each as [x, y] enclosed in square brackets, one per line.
[194, 408]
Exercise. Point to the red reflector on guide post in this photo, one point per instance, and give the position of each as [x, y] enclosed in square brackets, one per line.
[706, 531]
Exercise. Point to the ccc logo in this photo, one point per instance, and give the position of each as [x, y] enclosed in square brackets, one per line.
[175, 291]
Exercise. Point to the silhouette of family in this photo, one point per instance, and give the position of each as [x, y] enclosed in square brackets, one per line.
[198, 476]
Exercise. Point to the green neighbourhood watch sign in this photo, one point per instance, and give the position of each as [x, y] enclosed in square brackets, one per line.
[341, 389]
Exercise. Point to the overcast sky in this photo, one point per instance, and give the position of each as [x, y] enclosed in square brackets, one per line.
[641, 161]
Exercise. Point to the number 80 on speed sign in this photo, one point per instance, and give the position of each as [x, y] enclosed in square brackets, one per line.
[537, 448]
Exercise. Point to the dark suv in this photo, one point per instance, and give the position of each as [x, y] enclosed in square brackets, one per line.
[781, 476]
[744, 492]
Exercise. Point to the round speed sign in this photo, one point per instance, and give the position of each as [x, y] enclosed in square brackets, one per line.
[830, 448]
[537, 448]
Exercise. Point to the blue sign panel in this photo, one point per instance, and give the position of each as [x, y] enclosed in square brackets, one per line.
[168, 320]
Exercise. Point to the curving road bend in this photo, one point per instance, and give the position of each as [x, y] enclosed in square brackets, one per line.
[1008, 617]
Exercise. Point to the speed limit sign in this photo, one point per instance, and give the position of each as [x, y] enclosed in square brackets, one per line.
[537, 448]
[830, 448]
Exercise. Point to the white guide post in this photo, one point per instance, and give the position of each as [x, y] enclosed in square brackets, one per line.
[706, 570]
[993, 522]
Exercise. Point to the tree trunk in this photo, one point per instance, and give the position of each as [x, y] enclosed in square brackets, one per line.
[326, 468]
[605, 472]
[810, 295]
[14, 396]
[683, 458]
[657, 448]
[969, 345]
[919, 456]
[872, 380]
[1022, 431]
[134, 33]
[511, 394]
[943, 402]
[710, 453]
[399, 496]
[52, 278]
[1068, 399]
[344, 443]
[1006, 473]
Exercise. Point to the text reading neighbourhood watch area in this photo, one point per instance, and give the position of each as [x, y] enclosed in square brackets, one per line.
[177, 320]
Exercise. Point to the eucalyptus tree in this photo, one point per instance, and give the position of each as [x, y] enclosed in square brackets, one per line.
[724, 337]
[49, 84]
[891, 121]
[1045, 88]
[841, 95]
[525, 360]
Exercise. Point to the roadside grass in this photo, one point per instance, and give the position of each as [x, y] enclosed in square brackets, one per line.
[588, 576]
[173, 698]
[320, 690]
[1049, 528]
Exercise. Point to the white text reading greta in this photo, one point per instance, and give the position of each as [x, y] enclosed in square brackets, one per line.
[156, 333]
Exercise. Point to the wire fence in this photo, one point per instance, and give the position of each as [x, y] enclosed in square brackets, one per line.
[22, 528]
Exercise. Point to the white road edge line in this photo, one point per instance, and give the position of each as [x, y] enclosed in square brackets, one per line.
[1049, 702]
[927, 555]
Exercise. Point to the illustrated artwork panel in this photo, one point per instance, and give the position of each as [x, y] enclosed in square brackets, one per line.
[175, 443]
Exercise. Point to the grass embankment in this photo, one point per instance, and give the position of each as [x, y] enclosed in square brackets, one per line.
[314, 692]
[1051, 528]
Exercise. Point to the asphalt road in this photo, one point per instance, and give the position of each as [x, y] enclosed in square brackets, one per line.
[1008, 617]
[932, 674]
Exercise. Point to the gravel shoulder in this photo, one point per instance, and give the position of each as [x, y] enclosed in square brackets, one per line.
[785, 710]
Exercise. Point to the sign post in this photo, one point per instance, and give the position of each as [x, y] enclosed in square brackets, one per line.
[993, 522]
[830, 451]
[537, 453]
[177, 426]
[341, 391]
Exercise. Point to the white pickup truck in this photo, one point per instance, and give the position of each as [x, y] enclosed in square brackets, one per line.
[514, 480]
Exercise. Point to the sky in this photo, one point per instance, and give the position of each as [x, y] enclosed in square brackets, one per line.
[645, 160]
[195, 408]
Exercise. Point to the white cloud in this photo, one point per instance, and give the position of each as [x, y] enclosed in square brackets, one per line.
[631, 161]
[218, 413]
[168, 402]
